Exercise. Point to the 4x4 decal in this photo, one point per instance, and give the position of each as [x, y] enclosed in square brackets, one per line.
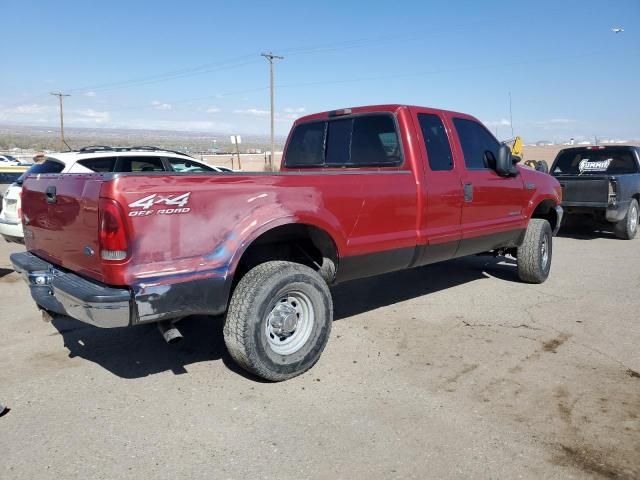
[144, 205]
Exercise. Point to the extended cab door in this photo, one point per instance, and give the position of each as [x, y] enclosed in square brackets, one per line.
[441, 188]
[492, 211]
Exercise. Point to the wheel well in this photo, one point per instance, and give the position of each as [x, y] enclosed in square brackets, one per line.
[547, 211]
[305, 244]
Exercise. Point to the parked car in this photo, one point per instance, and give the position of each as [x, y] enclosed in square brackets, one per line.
[361, 192]
[9, 174]
[7, 160]
[600, 187]
[96, 159]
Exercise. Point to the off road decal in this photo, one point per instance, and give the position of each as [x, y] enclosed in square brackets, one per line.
[176, 204]
[601, 166]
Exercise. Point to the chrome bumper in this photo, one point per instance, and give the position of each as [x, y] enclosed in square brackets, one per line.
[559, 214]
[68, 294]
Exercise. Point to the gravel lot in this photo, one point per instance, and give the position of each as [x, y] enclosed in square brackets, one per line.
[450, 371]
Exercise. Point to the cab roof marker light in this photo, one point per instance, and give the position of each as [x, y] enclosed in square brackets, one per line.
[340, 112]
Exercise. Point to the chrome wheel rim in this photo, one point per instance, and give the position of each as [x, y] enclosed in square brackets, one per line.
[290, 322]
[544, 252]
[633, 221]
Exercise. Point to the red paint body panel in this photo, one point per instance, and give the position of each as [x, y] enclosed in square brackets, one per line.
[365, 211]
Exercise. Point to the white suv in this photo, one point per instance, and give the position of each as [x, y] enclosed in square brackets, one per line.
[95, 159]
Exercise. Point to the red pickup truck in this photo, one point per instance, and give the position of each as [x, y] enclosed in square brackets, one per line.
[361, 192]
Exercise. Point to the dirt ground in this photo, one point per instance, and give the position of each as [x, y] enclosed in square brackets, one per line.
[455, 370]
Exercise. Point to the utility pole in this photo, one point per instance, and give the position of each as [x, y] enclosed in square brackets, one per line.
[271, 57]
[60, 95]
[510, 116]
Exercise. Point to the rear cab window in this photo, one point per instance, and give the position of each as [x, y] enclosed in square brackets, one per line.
[595, 161]
[361, 140]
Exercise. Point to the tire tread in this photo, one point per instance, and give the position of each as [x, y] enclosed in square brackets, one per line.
[528, 253]
[236, 331]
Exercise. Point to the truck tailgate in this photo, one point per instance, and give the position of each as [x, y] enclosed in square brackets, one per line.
[584, 191]
[61, 220]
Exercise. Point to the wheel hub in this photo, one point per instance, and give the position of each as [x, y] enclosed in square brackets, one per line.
[544, 252]
[289, 323]
[284, 320]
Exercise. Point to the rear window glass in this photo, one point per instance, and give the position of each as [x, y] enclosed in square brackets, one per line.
[375, 141]
[367, 140]
[339, 142]
[103, 165]
[595, 162]
[48, 166]
[306, 147]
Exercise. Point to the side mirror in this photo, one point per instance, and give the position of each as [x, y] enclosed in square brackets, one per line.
[504, 163]
[542, 166]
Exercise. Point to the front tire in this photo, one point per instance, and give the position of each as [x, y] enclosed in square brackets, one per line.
[534, 255]
[627, 228]
[279, 320]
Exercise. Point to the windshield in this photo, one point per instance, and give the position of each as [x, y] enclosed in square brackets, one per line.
[48, 166]
[595, 162]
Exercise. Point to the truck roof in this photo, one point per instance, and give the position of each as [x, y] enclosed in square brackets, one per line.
[392, 107]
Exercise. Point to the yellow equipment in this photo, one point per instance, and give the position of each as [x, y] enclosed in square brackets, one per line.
[517, 151]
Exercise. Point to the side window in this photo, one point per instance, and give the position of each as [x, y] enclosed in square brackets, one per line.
[140, 164]
[103, 165]
[375, 141]
[186, 165]
[306, 147]
[339, 142]
[479, 147]
[436, 142]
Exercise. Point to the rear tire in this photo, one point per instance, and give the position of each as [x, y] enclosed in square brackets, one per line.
[627, 228]
[279, 320]
[534, 255]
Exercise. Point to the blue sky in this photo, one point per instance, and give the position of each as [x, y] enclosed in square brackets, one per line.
[195, 65]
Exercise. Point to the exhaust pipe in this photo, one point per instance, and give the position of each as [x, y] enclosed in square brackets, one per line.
[169, 332]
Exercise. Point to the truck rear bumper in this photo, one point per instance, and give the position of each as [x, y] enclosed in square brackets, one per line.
[68, 294]
[601, 211]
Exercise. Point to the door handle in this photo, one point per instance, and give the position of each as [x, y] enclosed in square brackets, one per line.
[50, 193]
[468, 192]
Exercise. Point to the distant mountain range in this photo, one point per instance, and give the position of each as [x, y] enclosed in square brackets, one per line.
[42, 138]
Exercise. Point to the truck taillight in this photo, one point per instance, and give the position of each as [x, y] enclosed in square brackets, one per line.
[613, 192]
[114, 244]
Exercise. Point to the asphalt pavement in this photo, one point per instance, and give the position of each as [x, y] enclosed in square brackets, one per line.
[455, 370]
